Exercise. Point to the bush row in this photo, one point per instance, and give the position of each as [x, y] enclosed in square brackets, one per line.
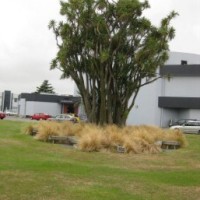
[134, 139]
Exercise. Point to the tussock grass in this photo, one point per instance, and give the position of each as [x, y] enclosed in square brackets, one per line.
[176, 135]
[29, 129]
[46, 129]
[92, 140]
[135, 139]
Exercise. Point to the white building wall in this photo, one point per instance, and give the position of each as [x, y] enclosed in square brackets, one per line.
[176, 57]
[190, 114]
[22, 107]
[145, 110]
[182, 87]
[42, 107]
[184, 114]
[167, 115]
[14, 103]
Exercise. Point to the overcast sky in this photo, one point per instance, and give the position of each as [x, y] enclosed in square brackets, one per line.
[27, 46]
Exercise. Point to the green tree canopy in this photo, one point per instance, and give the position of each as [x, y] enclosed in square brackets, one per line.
[45, 87]
[110, 50]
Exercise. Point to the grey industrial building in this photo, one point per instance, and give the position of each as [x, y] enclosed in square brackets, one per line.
[8, 101]
[176, 95]
[30, 103]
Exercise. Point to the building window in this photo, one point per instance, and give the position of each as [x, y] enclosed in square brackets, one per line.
[15, 100]
[183, 62]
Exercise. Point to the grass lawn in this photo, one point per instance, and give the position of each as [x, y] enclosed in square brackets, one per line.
[30, 169]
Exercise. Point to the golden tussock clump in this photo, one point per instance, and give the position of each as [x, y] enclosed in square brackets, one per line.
[29, 130]
[92, 140]
[46, 129]
[134, 139]
[175, 135]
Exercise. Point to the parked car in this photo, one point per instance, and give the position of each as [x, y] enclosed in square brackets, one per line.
[63, 117]
[9, 113]
[180, 122]
[40, 116]
[188, 127]
[2, 115]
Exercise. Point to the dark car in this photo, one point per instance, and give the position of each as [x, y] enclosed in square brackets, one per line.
[40, 116]
[180, 122]
[2, 115]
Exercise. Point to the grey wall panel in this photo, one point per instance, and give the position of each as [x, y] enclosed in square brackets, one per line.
[49, 98]
[181, 87]
[179, 102]
[145, 110]
[33, 107]
[175, 58]
[7, 98]
[180, 70]
[167, 115]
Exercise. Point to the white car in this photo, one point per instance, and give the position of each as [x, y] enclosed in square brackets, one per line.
[188, 127]
[62, 117]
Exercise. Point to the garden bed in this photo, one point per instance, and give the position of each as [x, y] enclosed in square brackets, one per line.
[89, 137]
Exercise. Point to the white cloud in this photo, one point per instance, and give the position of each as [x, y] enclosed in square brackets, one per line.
[27, 46]
[186, 24]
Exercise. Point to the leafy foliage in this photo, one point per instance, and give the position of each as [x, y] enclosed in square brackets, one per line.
[110, 50]
[45, 87]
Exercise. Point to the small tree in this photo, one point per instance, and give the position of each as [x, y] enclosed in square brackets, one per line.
[110, 50]
[45, 87]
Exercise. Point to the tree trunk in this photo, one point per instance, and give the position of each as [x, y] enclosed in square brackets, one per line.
[103, 112]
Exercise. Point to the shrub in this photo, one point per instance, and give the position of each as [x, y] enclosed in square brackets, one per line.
[31, 129]
[175, 135]
[92, 140]
[46, 129]
[135, 139]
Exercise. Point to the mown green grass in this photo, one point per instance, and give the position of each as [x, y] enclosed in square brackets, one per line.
[30, 169]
